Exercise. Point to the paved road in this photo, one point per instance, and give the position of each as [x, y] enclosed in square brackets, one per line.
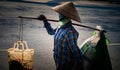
[91, 13]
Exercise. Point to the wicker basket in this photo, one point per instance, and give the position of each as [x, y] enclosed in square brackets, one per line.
[22, 54]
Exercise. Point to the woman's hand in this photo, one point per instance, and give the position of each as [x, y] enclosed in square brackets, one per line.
[41, 17]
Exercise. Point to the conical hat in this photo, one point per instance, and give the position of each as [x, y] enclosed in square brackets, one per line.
[67, 9]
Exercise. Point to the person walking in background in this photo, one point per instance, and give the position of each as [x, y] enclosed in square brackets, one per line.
[66, 51]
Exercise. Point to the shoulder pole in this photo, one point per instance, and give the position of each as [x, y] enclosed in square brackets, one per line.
[58, 21]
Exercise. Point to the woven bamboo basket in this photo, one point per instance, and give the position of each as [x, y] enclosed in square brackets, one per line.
[21, 54]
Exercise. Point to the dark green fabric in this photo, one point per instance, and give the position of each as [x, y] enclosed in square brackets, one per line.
[102, 59]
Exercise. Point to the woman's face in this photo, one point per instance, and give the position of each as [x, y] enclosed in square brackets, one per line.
[62, 20]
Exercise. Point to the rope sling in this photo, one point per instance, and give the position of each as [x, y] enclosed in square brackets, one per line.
[21, 30]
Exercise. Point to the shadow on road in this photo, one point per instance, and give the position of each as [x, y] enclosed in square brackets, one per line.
[56, 2]
[46, 3]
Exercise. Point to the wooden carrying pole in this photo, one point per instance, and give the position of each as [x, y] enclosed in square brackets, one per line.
[37, 19]
[58, 21]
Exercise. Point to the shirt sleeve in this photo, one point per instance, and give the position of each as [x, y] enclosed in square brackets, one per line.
[48, 27]
[72, 41]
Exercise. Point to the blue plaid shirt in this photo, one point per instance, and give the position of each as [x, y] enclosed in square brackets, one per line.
[65, 43]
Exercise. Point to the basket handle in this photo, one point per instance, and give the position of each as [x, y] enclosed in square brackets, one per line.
[22, 44]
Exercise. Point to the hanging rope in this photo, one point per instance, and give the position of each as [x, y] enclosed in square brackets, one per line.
[21, 30]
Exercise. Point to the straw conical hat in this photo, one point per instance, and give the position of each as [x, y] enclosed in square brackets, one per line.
[67, 9]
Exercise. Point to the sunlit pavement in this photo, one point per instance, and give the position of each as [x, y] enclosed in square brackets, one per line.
[91, 13]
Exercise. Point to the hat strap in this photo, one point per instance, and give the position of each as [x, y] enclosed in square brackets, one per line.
[61, 18]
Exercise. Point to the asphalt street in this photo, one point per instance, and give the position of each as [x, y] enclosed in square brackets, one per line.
[92, 13]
